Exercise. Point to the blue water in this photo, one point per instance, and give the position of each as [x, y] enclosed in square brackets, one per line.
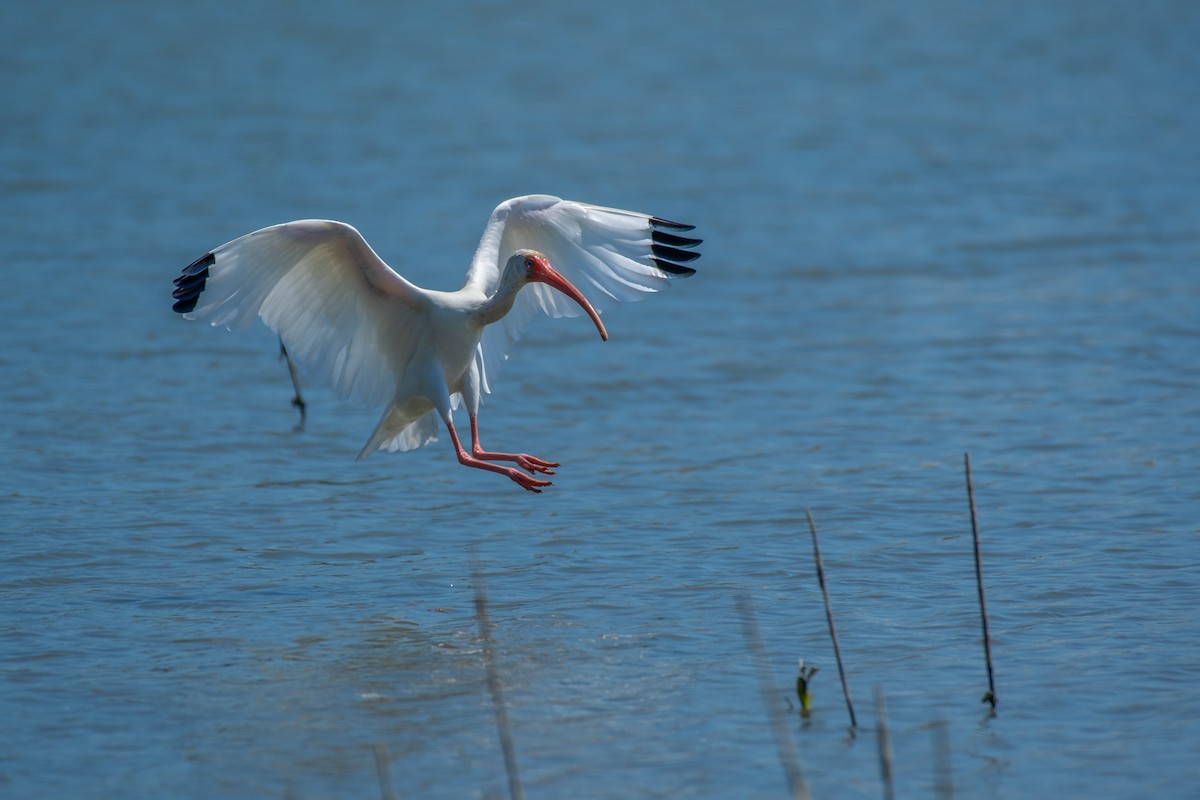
[931, 228]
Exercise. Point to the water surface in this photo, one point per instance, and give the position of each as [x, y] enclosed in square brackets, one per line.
[929, 230]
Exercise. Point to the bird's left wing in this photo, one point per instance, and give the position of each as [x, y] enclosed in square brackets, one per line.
[612, 256]
[344, 315]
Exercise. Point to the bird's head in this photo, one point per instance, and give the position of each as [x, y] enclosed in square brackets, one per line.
[535, 268]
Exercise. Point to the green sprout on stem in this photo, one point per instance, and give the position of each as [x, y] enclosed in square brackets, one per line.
[803, 676]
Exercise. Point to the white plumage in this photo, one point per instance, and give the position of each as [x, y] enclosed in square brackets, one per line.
[351, 321]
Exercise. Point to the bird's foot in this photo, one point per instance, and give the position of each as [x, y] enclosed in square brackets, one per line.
[526, 482]
[531, 464]
[299, 404]
[520, 478]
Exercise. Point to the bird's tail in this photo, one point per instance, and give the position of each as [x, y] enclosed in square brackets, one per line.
[399, 429]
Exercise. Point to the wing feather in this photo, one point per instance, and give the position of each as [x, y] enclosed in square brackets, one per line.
[344, 315]
[611, 255]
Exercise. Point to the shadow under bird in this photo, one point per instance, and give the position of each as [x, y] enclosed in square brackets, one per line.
[353, 322]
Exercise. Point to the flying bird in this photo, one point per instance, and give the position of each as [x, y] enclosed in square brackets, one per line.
[353, 322]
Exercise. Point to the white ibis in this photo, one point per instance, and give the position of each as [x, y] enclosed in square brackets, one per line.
[351, 321]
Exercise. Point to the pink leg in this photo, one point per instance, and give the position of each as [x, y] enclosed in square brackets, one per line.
[466, 459]
[528, 463]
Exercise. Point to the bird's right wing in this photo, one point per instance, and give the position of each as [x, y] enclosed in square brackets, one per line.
[344, 315]
[611, 255]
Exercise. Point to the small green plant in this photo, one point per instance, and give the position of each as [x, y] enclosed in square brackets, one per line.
[804, 674]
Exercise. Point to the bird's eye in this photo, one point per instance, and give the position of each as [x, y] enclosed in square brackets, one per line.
[529, 263]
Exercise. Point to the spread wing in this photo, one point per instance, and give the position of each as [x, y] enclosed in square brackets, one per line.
[344, 315]
[612, 256]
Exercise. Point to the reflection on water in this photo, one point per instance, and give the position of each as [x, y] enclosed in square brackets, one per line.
[929, 230]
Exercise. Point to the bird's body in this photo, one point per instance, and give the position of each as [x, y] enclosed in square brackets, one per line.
[351, 321]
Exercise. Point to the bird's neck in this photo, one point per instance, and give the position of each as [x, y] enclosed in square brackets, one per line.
[500, 303]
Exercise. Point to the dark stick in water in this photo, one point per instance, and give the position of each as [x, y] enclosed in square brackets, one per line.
[885, 747]
[770, 695]
[990, 697]
[837, 651]
[493, 677]
[382, 768]
[943, 767]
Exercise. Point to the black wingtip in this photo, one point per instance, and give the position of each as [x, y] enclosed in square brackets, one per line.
[673, 253]
[670, 250]
[659, 222]
[675, 269]
[190, 283]
[661, 237]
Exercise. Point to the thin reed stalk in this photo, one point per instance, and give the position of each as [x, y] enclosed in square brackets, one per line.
[885, 747]
[990, 697]
[788, 757]
[943, 768]
[383, 761]
[837, 651]
[515, 789]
